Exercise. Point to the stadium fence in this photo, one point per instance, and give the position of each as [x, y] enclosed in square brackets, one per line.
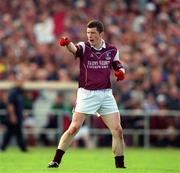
[144, 116]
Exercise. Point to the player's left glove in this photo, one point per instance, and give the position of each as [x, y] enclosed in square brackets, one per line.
[64, 41]
[120, 74]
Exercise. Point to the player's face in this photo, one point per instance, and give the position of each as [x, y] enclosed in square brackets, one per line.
[94, 37]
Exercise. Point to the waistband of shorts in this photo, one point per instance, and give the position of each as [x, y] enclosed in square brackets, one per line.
[101, 90]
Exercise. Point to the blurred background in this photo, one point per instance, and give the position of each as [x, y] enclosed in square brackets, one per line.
[145, 31]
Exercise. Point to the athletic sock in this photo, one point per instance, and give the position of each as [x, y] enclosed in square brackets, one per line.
[119, 162]
[58, 156]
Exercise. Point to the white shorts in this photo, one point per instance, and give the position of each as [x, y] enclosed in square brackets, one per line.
[99, 102]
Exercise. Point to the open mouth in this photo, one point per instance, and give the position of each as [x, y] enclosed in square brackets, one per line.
[91, 40]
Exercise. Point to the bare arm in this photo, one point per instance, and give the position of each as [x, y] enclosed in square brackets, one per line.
[72, 48]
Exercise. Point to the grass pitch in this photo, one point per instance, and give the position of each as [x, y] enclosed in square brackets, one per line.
[91, 161]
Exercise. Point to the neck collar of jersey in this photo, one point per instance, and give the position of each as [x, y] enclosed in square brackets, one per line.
[103, 45]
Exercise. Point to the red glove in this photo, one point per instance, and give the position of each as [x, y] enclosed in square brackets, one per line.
[64, 41]
[120, 74]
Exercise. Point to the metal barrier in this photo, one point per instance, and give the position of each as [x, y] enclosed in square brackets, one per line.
[145, 131]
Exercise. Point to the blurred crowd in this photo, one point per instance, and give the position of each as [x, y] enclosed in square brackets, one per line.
[145, 31]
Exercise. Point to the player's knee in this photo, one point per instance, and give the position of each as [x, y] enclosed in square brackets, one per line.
[117, 132]
[73, 130]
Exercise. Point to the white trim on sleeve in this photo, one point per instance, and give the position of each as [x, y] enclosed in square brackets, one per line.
[83, 45]
[116, 58]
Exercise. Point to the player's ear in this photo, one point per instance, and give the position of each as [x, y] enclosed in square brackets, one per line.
[102, 34]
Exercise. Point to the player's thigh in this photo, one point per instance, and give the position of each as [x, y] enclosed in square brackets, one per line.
[76, 123]
[77, 119]
[112, 120]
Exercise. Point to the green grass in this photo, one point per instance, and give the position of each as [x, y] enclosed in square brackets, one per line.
[91, 161]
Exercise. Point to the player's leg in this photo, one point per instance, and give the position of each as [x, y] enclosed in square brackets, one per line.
[67, 138]
[113, 123]
[84, 135]
[20, 138]
[6, 138]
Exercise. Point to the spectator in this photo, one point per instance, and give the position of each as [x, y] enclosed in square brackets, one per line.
[15, 117]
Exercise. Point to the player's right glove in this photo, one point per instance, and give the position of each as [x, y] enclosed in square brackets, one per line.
[120, 74]
[64, 41]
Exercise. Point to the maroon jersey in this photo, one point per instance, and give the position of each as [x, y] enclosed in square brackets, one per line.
[95, 65]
